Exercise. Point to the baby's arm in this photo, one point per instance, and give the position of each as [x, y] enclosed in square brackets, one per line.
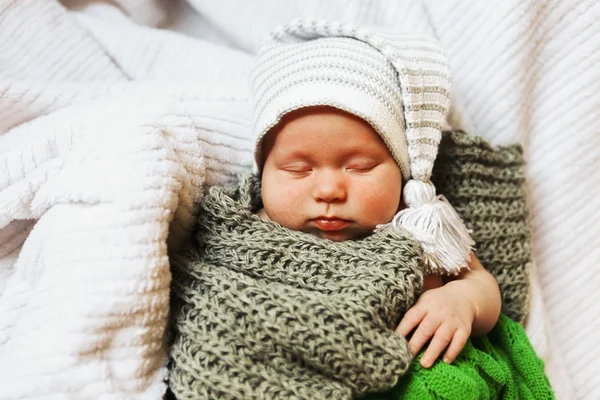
[483, 289]
[450, 312]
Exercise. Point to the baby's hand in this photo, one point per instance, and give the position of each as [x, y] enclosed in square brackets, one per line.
[445, 316]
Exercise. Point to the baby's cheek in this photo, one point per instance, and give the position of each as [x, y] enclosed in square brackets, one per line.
[380, 206]
[284, 206]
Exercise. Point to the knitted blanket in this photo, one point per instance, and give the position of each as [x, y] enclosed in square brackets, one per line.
[264, 312]
[500, 365]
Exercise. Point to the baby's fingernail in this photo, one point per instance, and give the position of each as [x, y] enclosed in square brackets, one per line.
[446, 360]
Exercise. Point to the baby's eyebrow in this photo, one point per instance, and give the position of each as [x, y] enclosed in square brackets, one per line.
[294, 155]
[363, 151]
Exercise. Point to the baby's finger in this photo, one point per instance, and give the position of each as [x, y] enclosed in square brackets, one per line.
[411, 319]
[458, 342]
[424, 332]
[440, 341]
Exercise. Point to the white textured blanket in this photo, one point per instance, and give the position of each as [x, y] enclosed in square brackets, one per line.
[115, 114]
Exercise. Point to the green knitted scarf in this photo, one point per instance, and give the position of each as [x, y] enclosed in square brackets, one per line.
[260, 311]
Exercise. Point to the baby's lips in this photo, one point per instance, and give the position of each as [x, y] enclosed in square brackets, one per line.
[330, 224]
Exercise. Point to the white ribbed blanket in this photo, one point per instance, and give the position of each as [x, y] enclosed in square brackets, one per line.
[110, 126]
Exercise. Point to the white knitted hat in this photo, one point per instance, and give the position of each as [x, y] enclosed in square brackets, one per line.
[399, 84]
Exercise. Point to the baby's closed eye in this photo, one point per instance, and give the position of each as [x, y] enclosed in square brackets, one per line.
[299, 169]
[361, 166]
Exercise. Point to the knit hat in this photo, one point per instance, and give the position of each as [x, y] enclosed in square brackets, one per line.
[399, 84]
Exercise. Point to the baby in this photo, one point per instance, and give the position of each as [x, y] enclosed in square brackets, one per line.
[310, 275]
[328, 173]
[342, 118]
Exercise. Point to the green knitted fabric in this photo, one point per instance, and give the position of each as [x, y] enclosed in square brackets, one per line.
[264, 312]
[260, 311]
[485, 186]
[500, 365]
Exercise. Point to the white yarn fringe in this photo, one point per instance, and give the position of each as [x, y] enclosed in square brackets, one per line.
[434, 223]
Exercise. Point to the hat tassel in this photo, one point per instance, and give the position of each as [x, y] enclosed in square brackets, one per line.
[435, 224]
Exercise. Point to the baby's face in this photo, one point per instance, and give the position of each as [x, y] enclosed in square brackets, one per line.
[329, 173]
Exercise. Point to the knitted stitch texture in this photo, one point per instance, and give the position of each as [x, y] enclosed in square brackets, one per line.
[485, 186]
[499, 366]
[264, 312]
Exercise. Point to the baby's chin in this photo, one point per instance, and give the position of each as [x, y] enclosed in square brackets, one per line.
[333, 236]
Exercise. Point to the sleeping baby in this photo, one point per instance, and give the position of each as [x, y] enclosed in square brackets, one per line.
[325, 272]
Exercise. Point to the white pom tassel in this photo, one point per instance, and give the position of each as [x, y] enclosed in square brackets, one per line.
[436, 226]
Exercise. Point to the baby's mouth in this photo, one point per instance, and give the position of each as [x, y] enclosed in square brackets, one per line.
[330, 223]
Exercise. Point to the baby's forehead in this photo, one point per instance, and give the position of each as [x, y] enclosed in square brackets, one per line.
[317, 123]
[324, 134]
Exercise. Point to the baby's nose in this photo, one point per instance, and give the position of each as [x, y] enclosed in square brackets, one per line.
[330, 186]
